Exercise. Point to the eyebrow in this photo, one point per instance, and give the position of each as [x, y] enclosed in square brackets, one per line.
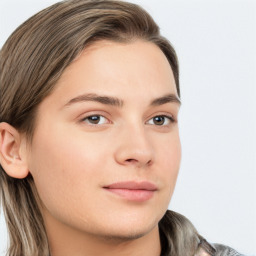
[113, 101]
[106, 100]
[169, 98]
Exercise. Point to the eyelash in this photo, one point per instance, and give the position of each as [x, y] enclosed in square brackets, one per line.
[169, 118]
[91, 116]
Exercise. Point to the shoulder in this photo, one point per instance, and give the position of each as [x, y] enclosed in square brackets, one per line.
[222, 250]
[208, 249]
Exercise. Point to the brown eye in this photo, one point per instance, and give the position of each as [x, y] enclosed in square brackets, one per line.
[161, 120]
[95, 120]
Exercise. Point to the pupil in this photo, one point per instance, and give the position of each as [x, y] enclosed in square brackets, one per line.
[94, 119]
[159, 120]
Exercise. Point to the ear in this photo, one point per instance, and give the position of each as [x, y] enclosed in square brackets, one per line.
[13, 152]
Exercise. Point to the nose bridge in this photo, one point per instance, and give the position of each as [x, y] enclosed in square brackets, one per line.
[134, 146]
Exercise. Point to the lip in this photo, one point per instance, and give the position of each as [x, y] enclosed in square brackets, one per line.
[133, 191]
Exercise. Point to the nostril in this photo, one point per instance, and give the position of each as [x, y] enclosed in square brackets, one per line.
[149, 162]
[134, 161]
[131, 160]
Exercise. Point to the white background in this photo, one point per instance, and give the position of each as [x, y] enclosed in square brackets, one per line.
[215, 42]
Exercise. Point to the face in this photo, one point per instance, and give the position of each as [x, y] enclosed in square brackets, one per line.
[106, 150]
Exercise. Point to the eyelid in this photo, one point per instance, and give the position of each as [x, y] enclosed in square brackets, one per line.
[105, 115]
[83, 117]
[87, 120]
[169, 117]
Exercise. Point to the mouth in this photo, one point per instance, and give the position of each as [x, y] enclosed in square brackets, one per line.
[133, 191]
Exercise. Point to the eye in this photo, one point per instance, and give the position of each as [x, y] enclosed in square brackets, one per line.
[161, 120]
[95, 120]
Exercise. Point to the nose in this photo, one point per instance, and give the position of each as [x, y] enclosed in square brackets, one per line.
[134, 148]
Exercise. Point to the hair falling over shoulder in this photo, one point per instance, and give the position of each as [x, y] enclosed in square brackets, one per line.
[31, 62]
[178, 235]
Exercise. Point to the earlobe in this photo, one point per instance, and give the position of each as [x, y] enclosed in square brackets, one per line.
[12, 158]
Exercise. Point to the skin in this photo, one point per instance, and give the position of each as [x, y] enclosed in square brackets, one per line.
[73, 158]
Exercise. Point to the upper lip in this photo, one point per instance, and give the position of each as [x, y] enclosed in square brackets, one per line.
[133, 185]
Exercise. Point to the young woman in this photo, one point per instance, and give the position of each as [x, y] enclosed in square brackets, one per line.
[89, 141]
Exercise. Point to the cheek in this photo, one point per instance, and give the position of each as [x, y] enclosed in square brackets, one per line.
[169, 151]
[169, 160]
[64, 168]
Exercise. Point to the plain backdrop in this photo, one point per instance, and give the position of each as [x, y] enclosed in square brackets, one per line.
[215, 42]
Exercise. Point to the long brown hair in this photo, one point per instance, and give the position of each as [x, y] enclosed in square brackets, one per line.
[31, 62]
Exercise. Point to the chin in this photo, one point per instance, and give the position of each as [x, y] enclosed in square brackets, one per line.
[127, 229]
[127, 235]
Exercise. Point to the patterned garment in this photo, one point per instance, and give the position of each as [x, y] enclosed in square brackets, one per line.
[207, 249]
[222, 250]
[167, 228]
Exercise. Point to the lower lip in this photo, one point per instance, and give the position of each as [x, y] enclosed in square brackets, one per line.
[137, 195]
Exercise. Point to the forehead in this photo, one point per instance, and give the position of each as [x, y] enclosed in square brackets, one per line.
[120, 69]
